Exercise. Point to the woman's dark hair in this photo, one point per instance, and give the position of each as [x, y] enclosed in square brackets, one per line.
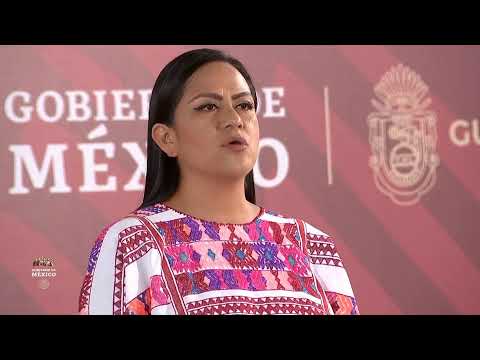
[163, 172]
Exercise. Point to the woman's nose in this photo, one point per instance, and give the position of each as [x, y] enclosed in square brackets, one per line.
[232, 118]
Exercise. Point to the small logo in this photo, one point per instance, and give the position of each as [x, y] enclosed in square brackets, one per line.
[43, 270]
[403, 137]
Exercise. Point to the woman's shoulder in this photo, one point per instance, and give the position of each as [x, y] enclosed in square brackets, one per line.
[133, 221]
[127, 232]
[312, 230]
[117, 228]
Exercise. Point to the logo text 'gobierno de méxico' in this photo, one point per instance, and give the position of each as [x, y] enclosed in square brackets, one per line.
[43, 270]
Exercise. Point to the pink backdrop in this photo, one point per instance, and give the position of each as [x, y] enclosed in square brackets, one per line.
[399, 192]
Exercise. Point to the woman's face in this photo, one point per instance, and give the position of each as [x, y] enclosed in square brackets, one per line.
[216, 105]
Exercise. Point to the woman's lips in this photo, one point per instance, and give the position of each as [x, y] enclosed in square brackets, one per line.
[236, 147]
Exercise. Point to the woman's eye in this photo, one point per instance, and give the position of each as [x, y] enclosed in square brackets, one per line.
[246, 106]
[206, 107]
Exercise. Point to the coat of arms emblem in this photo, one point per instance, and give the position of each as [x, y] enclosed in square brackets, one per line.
[403, 137]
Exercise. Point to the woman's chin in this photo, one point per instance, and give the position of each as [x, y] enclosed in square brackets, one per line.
[234, 172]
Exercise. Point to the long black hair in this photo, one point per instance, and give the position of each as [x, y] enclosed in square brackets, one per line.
[163, 172]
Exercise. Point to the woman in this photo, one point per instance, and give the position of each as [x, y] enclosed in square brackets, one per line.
[199, 243]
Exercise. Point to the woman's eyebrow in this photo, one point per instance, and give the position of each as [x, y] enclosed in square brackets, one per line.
[243, 93]
[218, 96]
[210, 95]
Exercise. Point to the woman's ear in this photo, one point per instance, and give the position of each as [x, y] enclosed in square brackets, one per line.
[164, 137]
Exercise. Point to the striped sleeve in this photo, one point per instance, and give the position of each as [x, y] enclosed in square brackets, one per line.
[120, 265]
[330, 272]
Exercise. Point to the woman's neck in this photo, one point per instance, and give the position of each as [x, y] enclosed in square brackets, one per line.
[218, 201]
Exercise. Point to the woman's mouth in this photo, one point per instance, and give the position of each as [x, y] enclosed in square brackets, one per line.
[236, 146]
[236, 143]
